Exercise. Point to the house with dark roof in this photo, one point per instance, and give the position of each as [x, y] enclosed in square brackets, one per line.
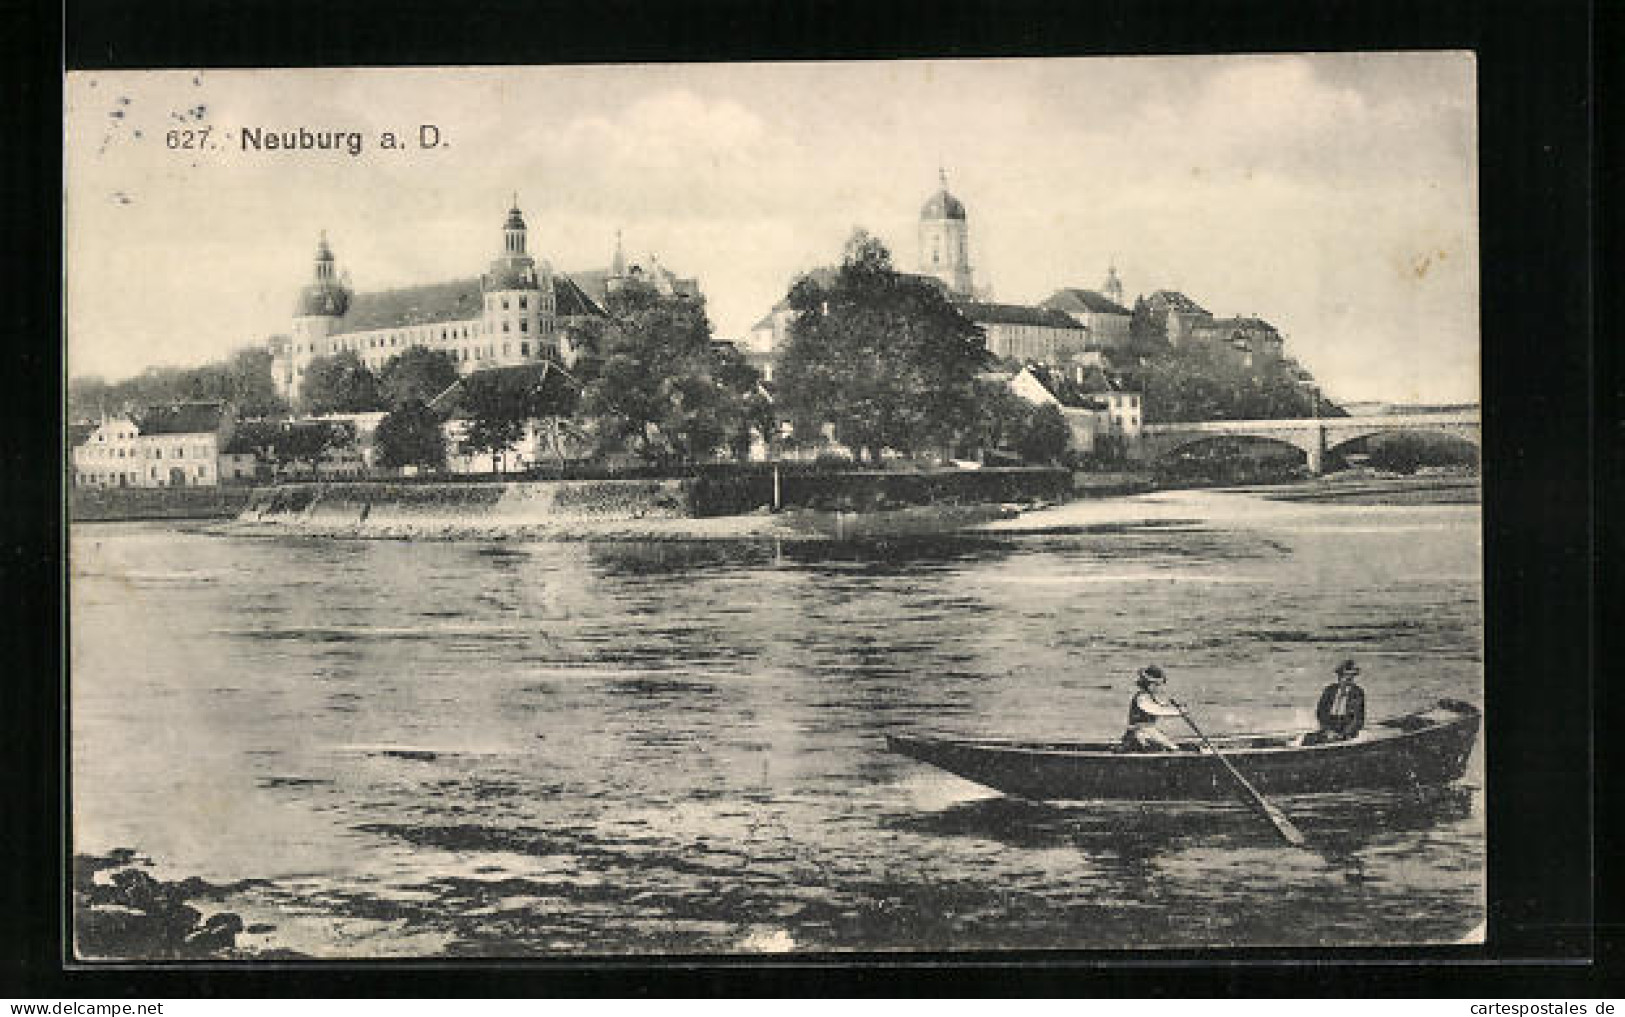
[1106, 319]
[518, 311]
[173, 445]
[1104, 415]
[1175, 315]
[1251, 339]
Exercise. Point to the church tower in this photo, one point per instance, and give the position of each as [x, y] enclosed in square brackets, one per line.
[945, 241]
[1112, 288]
[322, 302]
[517, 322]
[617, 277]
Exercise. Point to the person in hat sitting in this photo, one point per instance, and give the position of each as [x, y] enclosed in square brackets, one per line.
[1341, 710]
[1144, 709]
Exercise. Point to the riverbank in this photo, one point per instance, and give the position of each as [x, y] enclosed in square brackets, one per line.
[795, 525]
[124, 504]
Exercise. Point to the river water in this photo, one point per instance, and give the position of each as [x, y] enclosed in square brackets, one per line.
[468, 749]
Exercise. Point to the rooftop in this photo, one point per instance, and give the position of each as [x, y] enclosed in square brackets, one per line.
[1077, 300]
[452, 300]
[1016, 314]
[183, 418]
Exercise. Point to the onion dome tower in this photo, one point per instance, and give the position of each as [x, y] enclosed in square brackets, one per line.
[944, 240]
[518, 313]
[325, 296]
[322, 302]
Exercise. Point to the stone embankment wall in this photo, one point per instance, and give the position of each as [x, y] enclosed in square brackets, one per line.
[853, 505]
[117, 504]
[387, 506]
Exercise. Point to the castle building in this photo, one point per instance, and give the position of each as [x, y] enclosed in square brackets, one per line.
[600, 283]
[519, 311]
[1019, 332]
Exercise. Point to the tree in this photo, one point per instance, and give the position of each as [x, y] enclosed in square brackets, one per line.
[410, 435]
[1044, 436]
[243, 380]
[252, 391]
[1200, 382]
[1000, 418]
[498, 405]
[288, 443]
[883, 356]
[1147, 335]
[654, 382]
[417, 374]
[339, 383]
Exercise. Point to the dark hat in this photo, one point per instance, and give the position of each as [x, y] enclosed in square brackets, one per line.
[1348, 667]
[1150, 673]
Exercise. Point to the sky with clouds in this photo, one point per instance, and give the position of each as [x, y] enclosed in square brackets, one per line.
[1334, 195]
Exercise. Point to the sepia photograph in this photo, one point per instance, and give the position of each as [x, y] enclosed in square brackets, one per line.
[774, 509]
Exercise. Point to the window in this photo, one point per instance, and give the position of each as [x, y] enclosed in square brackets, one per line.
[504, 325]
[524, 349]
[521, 302]
[159, 453]
[524, 325]
[504, 303]
[506, 349]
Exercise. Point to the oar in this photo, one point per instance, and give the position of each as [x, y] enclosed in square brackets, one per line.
[1268, 809]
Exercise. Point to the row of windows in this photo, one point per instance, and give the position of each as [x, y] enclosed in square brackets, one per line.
[145, 452]
[161, 477]
[397, 340]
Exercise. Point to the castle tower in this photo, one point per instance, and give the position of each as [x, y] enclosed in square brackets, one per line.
[944, 240]
[322, 302]
[1112, 288]
[517, 320]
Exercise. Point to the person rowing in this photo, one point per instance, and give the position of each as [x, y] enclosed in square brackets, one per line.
[1144, 709]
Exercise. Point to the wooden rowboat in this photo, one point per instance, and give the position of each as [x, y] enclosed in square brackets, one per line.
[1426, 748]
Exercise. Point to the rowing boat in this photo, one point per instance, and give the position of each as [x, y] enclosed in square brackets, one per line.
[1421, 749]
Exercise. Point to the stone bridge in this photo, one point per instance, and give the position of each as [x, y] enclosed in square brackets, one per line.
[1314, 435]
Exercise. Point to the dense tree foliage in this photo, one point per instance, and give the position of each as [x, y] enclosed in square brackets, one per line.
[1005, 421]
[416, 374]
[243, 380]
[1200, 382]
[1044, 436]
[339, 383]
[289, 443]
[882, 356]
[1409, 451]
[656, 385]
[501, 404]
[410, 435]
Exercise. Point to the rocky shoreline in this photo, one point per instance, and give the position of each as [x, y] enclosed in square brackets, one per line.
[121, 912]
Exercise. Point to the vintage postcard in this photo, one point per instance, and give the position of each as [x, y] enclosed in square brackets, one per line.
[748, 509]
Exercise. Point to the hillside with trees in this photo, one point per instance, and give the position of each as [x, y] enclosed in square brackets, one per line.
[242, 379]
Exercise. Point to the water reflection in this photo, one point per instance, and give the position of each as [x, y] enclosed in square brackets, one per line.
[583, 748]
[1337, 826]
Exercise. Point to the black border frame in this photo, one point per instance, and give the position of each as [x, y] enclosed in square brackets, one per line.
[1543, 379]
